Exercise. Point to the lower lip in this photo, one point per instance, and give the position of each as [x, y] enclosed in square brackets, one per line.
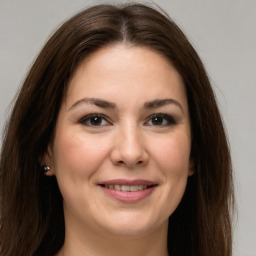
[128, 197]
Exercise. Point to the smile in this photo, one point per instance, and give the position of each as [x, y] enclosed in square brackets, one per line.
[126, 188]
[128, 191]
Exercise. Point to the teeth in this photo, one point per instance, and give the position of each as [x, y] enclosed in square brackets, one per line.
[127, 188]
[117, 187]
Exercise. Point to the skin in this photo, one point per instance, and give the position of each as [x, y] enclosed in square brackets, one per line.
[125, 144]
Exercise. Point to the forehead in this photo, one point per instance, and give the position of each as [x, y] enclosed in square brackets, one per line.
[122, 70]
[118, 57]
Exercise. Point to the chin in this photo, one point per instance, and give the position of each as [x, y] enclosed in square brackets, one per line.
[133, 226]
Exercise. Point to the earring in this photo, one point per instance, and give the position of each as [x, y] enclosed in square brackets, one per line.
[47, 171]
[46, 168]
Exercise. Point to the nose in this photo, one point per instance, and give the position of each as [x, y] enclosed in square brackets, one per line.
[129, 148]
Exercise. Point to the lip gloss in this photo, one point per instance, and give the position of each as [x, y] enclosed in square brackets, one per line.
[128, 196]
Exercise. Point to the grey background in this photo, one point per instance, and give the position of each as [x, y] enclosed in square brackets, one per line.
[224, 34]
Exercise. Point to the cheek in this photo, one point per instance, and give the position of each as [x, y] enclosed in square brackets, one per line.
[77, 156]
[173, 159]
[173, 155]
[76, 159]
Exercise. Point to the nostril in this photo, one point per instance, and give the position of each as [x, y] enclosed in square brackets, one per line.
[120, 162]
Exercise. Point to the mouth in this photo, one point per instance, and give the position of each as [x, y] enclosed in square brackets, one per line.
[127, 188]
[128, 191]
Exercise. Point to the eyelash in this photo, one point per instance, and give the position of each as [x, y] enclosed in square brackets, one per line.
[89, 118]
[168, 119]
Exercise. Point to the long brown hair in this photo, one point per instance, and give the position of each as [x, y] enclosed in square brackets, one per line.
[32, 221]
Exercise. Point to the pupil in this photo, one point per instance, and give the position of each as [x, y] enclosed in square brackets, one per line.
[157, 120]
[96, 120]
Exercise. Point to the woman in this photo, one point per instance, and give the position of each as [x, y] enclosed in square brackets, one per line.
[115, 145]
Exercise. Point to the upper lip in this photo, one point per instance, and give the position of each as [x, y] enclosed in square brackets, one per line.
[128, 182]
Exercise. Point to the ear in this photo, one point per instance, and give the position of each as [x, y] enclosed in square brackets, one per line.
[191, 169]
[47, 162]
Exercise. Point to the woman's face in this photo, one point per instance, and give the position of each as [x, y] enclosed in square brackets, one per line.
[121, 152]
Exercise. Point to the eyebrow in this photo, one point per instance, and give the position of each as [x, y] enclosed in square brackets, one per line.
[98, 102]
[107, 104]
[161, 102]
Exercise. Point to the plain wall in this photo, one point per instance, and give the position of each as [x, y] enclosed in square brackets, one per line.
[224, 34]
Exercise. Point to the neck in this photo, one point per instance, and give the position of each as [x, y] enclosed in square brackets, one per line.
[84, 242]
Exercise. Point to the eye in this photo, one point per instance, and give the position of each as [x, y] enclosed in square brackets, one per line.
[161, 120]
[94, 120]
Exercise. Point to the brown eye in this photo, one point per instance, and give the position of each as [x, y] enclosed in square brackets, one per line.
[94, 120]
[157, 120]
[161, 120]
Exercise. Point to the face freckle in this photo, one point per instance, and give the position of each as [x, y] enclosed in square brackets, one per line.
[121, 152]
